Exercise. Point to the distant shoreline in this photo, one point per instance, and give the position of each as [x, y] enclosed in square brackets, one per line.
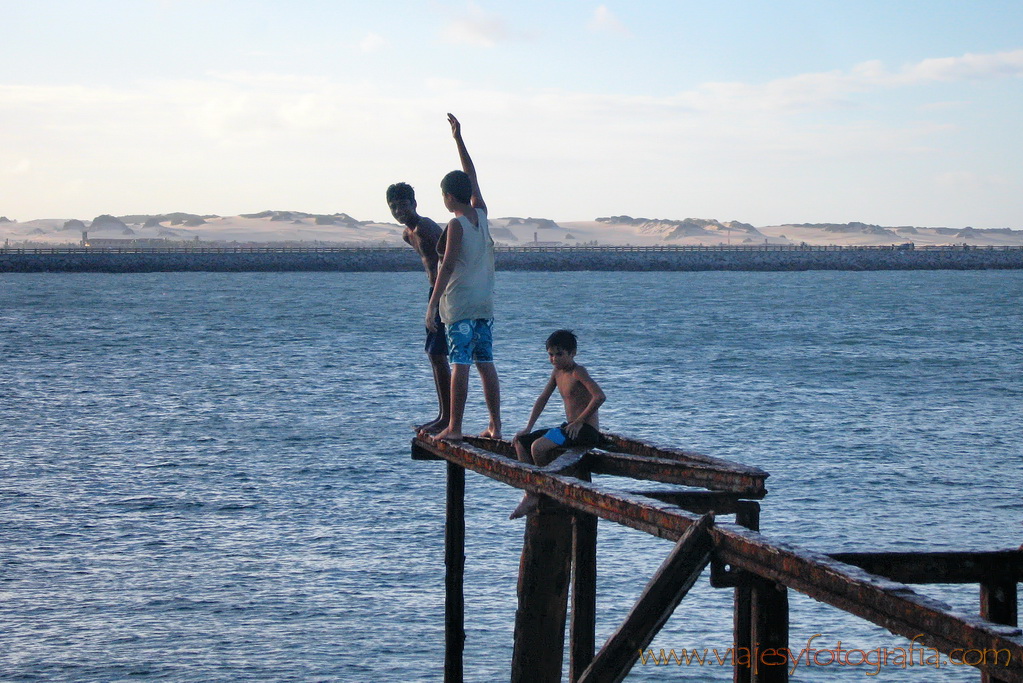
[608, 258]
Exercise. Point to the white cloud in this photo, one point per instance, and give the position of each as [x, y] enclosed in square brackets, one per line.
[969, 67]
[20, 167]
[604, 21]
[477, 28]
[944, 106]
[236, 141]
[835, 89]
[970, 181]
[372, 42]
[439, 84]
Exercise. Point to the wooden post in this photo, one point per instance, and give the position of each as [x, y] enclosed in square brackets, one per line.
[742, 611]
[770, 632]
[454, 562]
[998, 603]
[662, 594]
[543, 595]
[584, 594]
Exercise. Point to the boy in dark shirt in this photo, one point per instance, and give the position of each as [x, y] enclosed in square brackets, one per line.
[423, 235]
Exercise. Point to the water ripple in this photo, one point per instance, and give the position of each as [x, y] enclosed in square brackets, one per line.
[206, 477]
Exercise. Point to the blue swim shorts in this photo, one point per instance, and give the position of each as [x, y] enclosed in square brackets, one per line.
[588, 436]
[471, 341]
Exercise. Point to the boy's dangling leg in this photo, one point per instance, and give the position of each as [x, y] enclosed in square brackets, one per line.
[539, 453]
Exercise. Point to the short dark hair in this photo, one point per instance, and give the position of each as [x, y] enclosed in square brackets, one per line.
[458, 185]
[562, 339]
[400, 191]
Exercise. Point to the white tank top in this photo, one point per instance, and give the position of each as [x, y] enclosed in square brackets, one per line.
[470, 291]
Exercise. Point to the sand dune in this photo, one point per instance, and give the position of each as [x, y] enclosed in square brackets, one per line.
[296, 228]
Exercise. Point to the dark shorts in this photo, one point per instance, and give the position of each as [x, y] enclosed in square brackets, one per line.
[436, 342]
[588, 436]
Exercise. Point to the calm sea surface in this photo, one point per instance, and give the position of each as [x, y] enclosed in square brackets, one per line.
[206, 477]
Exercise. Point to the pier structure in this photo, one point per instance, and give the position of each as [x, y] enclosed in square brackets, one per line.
[558, 568]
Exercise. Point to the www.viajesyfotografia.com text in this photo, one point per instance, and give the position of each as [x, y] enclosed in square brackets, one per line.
[873, 660]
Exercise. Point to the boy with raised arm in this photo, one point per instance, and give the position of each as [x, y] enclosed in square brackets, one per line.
[464, 292]
[422, 234]
[582, 397]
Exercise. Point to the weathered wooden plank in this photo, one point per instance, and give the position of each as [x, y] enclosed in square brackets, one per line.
[544, 574]
[892, 605]
[940, 567]
[669, 471]
[662, 594]
[454, 575]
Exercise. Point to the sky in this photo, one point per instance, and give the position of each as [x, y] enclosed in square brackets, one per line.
[891, 112]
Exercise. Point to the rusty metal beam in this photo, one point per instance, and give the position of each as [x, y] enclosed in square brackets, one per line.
[670, 471]
[623, 444]
[769, 630]
[892, 605]
[454, 576]
[544, 573]
[582, 642]
[639, 512]
[641, 460]
[662, 594]
[999, 602]
[701, 502]
[940, 567]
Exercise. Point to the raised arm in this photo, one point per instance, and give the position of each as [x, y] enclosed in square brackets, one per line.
[470, 170]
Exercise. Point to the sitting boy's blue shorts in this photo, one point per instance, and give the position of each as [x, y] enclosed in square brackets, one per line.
[471, 341]
[588, 436]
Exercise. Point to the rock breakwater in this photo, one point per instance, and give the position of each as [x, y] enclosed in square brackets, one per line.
[513, 258]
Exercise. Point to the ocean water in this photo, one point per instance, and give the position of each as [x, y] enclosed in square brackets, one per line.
[206, 477]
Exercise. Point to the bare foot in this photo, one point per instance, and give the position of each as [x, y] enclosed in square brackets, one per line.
[491, 432]
[448, 435]
[433, 427]
[528, 505]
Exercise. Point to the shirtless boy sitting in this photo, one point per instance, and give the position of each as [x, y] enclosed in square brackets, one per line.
[582, 397]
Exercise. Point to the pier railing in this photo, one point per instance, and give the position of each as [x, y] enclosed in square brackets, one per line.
[560, 551]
